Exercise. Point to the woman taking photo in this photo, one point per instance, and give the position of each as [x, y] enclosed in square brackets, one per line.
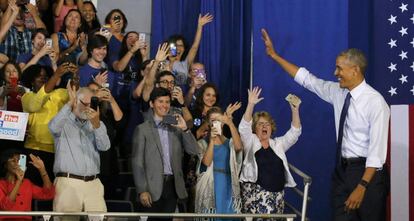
[16, 192]
[265, 171]
[218, 189]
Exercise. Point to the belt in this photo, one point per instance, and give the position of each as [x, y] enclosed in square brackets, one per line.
[168, 178]
[353, 161]
[74, 176]
[220, 170]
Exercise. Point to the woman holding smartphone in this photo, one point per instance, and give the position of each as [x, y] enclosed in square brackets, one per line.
[10, 92]
[217, 189]
[16, 192]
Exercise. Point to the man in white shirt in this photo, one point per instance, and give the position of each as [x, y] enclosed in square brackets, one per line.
[361, 121]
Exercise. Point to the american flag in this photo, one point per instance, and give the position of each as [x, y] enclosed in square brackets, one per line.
[393, 76]
[393, 47]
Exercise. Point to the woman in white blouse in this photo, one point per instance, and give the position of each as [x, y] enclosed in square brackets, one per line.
[265, 170]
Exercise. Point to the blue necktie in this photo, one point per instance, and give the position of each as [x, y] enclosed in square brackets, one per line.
[344, 112]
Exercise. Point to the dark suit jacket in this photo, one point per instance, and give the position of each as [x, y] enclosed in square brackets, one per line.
[147, 163]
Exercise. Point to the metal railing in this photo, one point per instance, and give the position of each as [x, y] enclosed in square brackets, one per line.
[307, 181]
[99, 216]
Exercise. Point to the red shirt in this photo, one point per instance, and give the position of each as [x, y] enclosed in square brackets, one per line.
[23, 202]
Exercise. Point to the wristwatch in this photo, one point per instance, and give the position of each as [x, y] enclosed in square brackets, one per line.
[363, 183]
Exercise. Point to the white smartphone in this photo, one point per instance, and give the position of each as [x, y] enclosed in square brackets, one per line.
[217, 125]
[33, 2]
[22, 162]
[49, 42]
[141, 37]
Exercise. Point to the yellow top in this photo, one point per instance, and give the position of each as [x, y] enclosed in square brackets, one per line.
[42, 107]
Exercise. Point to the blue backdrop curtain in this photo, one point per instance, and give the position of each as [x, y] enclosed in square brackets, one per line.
[225, 44]
[309, 34]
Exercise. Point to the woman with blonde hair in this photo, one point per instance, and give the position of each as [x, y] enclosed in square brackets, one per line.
[265, 171]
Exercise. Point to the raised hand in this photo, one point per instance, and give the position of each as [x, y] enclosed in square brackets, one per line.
[162, 53]
[268, 43]
[177, 93]
[101, 78]
[32, 9]
[93, 116]
[232, 108]
[72, 93]
[37, 162]
[205, 19]
[254, 95]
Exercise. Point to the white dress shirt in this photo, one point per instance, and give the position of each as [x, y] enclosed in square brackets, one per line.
[367, 121]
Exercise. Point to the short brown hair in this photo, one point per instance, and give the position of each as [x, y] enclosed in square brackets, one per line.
[265, 115]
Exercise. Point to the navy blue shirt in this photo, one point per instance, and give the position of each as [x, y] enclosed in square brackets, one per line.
[271, 172]
[25, 58]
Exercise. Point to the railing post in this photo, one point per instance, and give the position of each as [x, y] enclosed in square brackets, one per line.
[249, 218]
[46, 217]
[305, 201]
[95, 217]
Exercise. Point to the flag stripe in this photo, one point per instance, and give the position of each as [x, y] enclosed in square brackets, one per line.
[411, 163]
[399, 162]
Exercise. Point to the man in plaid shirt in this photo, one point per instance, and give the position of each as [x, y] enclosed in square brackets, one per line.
[18, 38]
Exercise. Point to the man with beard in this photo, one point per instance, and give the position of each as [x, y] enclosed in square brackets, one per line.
[79, 136]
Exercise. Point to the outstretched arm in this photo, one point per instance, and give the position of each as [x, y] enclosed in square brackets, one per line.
[290, 68]
[202, 20]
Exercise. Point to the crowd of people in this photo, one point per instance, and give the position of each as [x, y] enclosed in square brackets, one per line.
[93, 95]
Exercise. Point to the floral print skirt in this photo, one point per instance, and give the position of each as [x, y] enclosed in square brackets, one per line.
[257, 200]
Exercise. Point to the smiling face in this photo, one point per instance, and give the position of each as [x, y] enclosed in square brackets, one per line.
[98, 54]
[39, 41]
[209, 97]
[88, 12]
[347, 73]
[161, 106]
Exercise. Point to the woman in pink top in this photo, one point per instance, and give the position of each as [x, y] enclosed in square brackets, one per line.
[61, 8]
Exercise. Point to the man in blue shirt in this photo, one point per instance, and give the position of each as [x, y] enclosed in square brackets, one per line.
[79, 136]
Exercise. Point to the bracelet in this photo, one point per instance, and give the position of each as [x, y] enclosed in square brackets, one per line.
[363, 183]
[45, 174]
[186, 130]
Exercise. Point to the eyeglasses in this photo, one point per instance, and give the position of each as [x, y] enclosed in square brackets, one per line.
[165, 82]
[85, 104]
[263, 124]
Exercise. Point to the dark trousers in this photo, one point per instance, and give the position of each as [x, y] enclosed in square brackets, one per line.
[167, 202]
[345, 179]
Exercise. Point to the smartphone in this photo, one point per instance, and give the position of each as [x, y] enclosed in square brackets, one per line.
[217, 125]
[141, 37]
[22, 162]
[170, 119]
[94, 103]
[13, 81]
[117, 18]
[49, 42]
[173, 49]
[33, 2]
